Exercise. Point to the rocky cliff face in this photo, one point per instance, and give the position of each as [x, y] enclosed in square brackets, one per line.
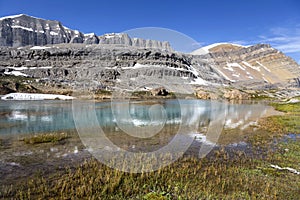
[101, 65]
[50, 52]
[258, 63]
[22, 30]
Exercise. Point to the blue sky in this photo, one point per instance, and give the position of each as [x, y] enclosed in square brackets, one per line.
[276, 22]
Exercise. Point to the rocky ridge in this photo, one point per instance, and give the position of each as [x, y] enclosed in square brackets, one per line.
[21, 30]
[50, 53]
[252, 64]
[102, 65]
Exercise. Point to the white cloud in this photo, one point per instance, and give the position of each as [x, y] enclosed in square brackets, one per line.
[290, 47]
[285, 39]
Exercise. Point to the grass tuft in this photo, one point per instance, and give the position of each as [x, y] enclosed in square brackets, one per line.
[45, 138]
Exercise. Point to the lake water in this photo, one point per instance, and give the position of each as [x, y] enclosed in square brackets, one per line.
[27, 117]
[105, 128]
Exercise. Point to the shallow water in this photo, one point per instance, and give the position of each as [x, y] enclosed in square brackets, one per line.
[141, 126]
[23, 117]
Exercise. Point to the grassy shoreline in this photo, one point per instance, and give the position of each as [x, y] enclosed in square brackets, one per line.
[224, 175]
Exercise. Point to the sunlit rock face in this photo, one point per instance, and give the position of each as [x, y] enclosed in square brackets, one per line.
[22, 30]
[251, 64]
[105, 64]
[47, 50]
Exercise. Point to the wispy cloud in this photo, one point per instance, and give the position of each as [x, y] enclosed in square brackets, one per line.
[285, 39]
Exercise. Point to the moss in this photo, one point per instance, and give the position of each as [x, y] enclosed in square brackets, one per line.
[45, 138]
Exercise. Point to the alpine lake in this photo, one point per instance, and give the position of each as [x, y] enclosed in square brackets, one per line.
[47, 149]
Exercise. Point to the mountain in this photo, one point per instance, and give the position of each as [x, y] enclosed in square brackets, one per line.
[103, 65]
[216, 47]
[245, 64]
[21, 30]
[52, 54]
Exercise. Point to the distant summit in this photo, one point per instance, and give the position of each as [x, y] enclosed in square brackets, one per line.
[22, 30]
[217, 47]
[261, 62]
[48, 51]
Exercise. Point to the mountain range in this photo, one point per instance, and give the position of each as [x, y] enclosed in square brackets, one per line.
[21, 30]
[46, 50]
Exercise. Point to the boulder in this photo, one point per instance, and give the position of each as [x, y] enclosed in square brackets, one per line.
[161, 91]
[235, 95]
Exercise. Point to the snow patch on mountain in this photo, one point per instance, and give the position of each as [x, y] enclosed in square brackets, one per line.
[89, 35]
[16, 73]
[39, 47]
[252, 67]
[22, 27]
[263, 66]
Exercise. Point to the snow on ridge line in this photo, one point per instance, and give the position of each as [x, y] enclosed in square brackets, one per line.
[11, 16]
[89, 34]
[20, 15]
[221, 43]
[205, 49]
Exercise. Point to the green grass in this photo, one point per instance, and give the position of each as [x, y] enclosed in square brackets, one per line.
[277, 126]
[287, 107]
[287, 155]
[240, 177]
[45, 138]
[223, 176]
[288, 123]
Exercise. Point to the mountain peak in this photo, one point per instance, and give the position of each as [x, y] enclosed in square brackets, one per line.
[22, 30]
[217, 47]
